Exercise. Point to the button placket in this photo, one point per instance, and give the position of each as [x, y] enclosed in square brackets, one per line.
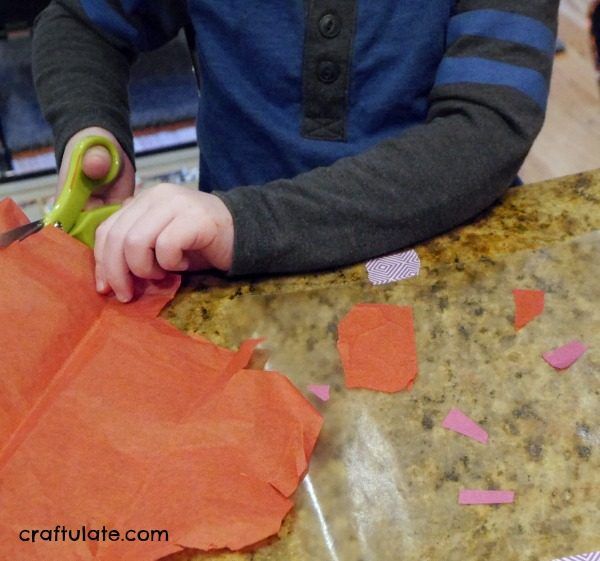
[330, 28]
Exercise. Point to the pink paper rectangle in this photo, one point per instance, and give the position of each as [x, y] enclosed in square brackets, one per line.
[458, 422]
[565, 356]
[481, 497]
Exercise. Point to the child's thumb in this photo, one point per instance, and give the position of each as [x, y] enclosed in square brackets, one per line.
[96, 162]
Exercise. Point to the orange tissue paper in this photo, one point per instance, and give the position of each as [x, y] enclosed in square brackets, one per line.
[377, 347]
[112, 418]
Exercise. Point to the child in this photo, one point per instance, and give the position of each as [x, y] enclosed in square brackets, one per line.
[331, 131]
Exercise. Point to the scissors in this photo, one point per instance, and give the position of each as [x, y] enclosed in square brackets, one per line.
[67, 213]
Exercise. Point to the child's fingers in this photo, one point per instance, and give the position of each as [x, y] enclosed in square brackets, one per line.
[116, 272]
[110, 256]
[178, 236]
[139, 245]
[164, 229]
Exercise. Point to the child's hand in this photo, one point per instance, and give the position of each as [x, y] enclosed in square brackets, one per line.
[166, 228]
[96, 164]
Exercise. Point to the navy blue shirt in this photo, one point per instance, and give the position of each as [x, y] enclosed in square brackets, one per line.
[251, 56]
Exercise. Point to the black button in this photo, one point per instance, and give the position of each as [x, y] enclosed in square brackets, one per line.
[328, 71]
[330, 25]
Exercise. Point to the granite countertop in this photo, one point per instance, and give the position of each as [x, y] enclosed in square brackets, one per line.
[384, 479]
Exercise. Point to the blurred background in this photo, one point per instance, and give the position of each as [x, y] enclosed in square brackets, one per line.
[165, 138]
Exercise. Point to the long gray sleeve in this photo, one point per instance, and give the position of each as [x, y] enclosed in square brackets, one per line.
[81, 76]
[420, 184]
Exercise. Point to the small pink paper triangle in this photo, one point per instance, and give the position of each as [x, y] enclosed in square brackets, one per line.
[457, 421]
[320, 390]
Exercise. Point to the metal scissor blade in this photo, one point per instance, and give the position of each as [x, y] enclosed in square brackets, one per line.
[20, 233]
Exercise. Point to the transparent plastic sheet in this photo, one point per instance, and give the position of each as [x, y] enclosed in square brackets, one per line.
[384, 479]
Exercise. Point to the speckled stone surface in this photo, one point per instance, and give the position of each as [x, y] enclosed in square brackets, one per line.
[384, 480]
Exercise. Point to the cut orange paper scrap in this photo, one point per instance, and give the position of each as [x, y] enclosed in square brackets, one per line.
[377, 347]
[529, 304]
[110, 417]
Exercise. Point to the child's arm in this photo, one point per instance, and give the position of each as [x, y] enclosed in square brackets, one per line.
[81, 75]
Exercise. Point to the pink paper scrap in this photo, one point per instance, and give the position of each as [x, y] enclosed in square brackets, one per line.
[320, 390]
[458, 422]
[395, 267]
[565, 356]
[479, 497]
[593, 556]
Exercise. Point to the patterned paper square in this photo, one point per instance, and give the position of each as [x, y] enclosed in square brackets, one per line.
[395, 267]
[593, 556]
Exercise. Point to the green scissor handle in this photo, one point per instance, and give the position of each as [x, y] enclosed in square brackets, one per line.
[78, 188]
[85, 228]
